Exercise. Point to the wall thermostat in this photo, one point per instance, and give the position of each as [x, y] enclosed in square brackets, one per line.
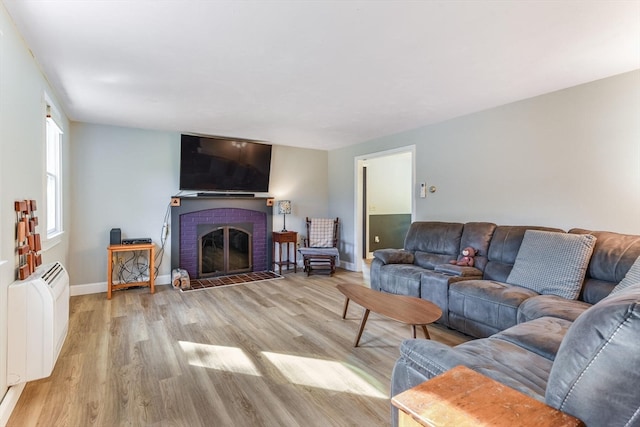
[423, 190]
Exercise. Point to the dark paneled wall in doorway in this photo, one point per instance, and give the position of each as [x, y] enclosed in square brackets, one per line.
[390, 230]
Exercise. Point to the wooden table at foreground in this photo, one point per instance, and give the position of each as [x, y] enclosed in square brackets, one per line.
[462, 397]
[408, 310]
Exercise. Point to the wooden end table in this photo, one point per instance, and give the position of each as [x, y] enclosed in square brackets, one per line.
[150, 247]
[462, 397]
[401, 308]
[285, 237]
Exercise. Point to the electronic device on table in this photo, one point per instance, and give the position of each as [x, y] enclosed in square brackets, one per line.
[137, 241]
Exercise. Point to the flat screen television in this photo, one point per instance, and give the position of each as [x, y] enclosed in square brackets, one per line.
[221, 164]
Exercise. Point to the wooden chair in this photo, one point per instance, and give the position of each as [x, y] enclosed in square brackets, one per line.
[320, 246]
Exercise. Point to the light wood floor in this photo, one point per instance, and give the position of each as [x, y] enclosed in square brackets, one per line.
[274, 353]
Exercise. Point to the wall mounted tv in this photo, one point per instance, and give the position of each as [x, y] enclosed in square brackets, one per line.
[224, 164]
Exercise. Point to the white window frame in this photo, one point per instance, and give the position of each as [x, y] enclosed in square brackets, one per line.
[53, 174]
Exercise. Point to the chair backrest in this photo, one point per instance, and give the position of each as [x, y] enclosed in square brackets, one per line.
[322, 233]
[433, 242]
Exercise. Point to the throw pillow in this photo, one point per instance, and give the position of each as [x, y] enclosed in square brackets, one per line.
[321, 233]
[552, 263]
[631, 278]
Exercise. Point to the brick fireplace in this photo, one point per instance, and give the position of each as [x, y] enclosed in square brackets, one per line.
[196, 222]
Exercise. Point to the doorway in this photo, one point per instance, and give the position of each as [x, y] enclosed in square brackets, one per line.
[385, 205]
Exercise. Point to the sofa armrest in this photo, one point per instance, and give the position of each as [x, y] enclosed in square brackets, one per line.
[457, 270]
[394, 256]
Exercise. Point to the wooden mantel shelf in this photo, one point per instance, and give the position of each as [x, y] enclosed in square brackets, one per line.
[462, 397]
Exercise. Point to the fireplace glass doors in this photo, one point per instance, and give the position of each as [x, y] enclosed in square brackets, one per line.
[224, 250]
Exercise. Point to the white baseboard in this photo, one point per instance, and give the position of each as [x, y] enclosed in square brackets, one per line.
[9, 402]
[96, 288]
[91, 288]
[348, 266]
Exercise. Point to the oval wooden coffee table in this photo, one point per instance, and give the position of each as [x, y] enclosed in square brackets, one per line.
[401, 308]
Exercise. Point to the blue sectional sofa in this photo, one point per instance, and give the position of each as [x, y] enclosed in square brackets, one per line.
[576, 350]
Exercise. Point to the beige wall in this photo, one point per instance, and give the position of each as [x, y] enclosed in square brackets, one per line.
[566, 159]
[22, 139]
[389, 182]
[124, 178]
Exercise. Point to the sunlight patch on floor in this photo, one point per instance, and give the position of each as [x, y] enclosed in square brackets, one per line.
[231, 359]
[326, 374]
[306, 371]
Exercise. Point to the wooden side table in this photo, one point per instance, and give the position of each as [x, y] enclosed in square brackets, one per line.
[112, 249]
[462, 397]
[285, 237]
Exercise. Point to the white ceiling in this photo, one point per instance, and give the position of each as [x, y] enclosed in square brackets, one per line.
[317, 74]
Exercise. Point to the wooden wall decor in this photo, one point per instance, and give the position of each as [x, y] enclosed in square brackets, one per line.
[27, 240]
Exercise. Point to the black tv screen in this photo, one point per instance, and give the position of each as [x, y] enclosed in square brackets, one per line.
[224, 164]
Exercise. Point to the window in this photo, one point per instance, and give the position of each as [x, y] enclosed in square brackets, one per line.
[54, 177]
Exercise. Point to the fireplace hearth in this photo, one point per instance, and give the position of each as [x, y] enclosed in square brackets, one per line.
[212, 236]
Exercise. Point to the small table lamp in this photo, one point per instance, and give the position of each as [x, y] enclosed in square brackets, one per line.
[284, 208]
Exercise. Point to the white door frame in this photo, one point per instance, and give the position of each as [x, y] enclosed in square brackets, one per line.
[359, 162]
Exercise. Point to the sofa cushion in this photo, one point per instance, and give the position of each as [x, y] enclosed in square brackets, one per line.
[394, 256]
[542, 336]
[595, 290]
[489, 303]
[458, 270]
[434, 287]
[478, 236]
[613, 255]
[400, 279]
[496, 358]
[595, 375]
[631, 278]
[434, 237]
[551, 305]
[430, 260]
[504, 361]
[552, 263]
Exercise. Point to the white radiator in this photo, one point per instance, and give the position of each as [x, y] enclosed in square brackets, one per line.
[38, 321]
